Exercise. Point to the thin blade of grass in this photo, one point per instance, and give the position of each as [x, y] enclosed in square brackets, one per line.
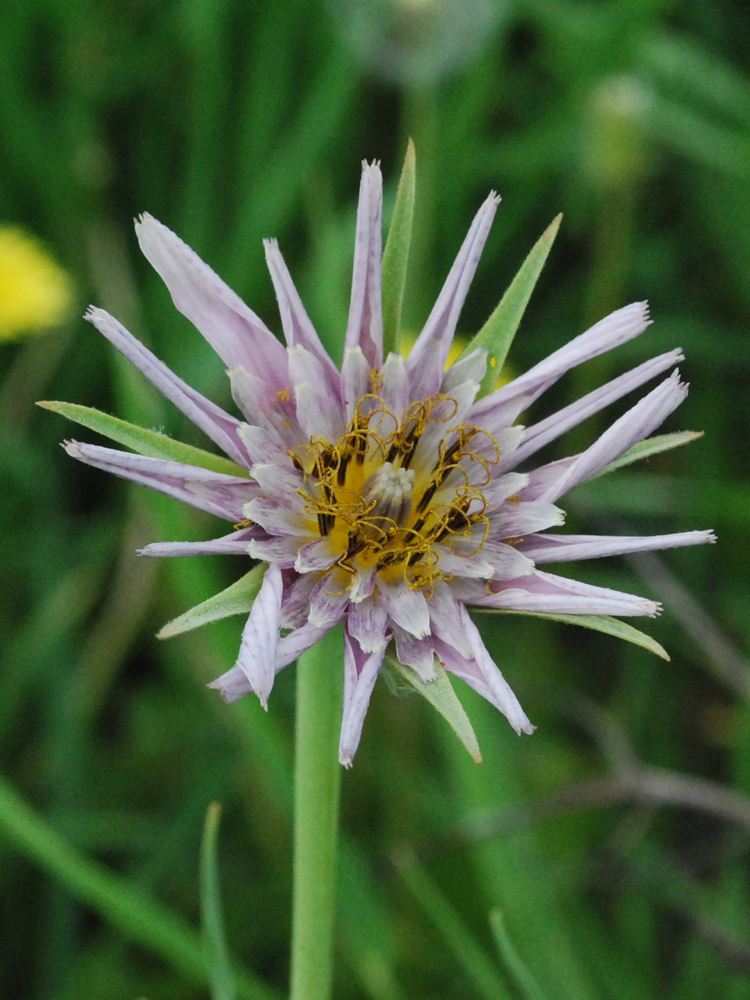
[498, 332]
[144, 442]
[127, 907]
[212, 923]
[477, 966]
[396, 255]
[513, 961]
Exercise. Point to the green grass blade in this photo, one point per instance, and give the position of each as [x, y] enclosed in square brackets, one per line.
[478, 968]
[127, 907]
[651, 446]
[600, 623]
[441, 696]
[144, 442]
[237, 599]
[498, 332]
[214, 942]
[396, 255]
[526, 983]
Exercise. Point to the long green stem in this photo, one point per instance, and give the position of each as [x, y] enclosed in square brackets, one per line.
[316, 790]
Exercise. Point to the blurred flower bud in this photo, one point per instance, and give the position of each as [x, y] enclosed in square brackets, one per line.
[613, 147]
[417, 41]
[35, 292]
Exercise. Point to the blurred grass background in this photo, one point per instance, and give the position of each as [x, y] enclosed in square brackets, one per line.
[231, 121]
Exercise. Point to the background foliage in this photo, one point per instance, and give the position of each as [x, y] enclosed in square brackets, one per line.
[231, 121]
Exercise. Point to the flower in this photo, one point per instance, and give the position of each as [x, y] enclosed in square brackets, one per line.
[384, 495]
[35, 293]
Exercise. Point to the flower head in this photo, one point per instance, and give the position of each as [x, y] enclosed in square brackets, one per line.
[385, 495]
[35, 293]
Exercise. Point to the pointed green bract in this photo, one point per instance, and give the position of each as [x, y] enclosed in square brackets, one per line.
[396, 255]
[212, 923]
[498, 332]
[235, 600]
[600, 623]
[441, 696]
[144, 442]
[651, 446]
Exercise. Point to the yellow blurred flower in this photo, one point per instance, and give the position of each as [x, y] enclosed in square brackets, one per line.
[35, 292]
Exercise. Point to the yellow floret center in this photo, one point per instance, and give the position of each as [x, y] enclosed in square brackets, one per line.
[384, 502]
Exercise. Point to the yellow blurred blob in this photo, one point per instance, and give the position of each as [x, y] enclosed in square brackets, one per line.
[456, 348]
[35, 292]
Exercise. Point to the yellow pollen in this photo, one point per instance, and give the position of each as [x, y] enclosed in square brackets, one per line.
[283, 394]
[385, 502]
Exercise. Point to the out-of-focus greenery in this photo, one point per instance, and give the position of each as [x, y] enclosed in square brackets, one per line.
[231, 121]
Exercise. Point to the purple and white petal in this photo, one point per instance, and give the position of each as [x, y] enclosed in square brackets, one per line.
[360, 673]
[416, 653]
[363, 583]
[219, 426]
[446, 620]
[292, 646]
[480, 673]
[524, 518]
[356, 379]
[567, 548]
[559, 595]
[318, 411]
[635, 425]
[261, 634]
[224, 496]
[406, 607]
[295, 604]
[238, 336]
[232, 685]
[364, 328]
[367, 622]
[451, 561]
[427, 358]
[395, 388]
[570, 416]
[317, 555]
[504, 405]
[297, 325]
[470, 369]
[281, 482]
[329, 600]
[276, 412]
[264, 446]
[279, 549]
[278, 518]
[229, 545]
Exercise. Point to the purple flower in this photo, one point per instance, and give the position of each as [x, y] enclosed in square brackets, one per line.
[384, 495]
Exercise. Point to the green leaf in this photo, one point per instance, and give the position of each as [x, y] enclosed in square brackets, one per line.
[651, 446]
[212, 924]
[396, 255]
[441, 696]
[138, 439]
[515, 965]
[237, 599]
[600, 623]
[498, 332]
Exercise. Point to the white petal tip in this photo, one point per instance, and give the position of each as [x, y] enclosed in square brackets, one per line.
[526, 727]
[346, 758]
